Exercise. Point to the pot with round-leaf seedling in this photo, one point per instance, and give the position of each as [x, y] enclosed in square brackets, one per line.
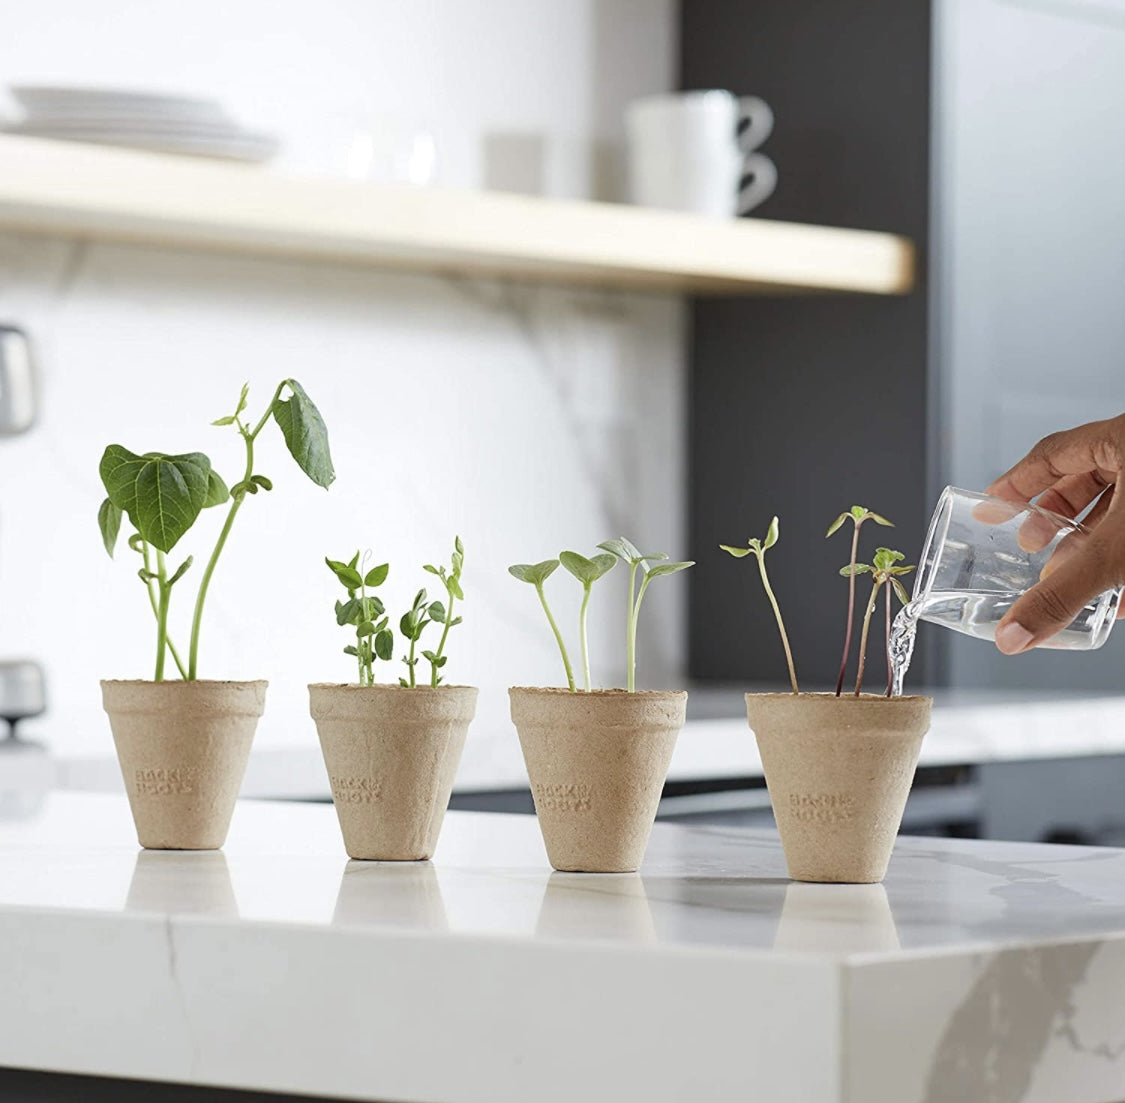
[838, 766]
[183, 742]
[597, 758]
[392, 749]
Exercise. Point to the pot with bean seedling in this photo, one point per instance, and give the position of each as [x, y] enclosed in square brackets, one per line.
[392, 749]
[839, 766]
[183, 743]
[597, 758]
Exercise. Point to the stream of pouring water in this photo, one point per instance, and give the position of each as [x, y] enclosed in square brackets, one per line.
[901, 645]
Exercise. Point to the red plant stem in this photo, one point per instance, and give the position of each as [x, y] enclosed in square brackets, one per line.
[890, 683]
[851, 610]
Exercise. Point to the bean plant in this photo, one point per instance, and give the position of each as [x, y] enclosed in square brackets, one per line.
[163, 496]
[588, 571]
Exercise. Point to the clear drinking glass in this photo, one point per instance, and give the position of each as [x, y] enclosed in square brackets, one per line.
[982, 553]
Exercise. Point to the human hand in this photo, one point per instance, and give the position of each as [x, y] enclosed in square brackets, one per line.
[1070, 470]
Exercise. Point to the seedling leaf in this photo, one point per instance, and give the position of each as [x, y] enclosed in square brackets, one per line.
[900, 590]
[181, 571]
[217, 492]
[771, 535]
[834, 527]
[623, 549]
[669, 568]
[377, 575]
[161, 494]
[384, 644]
[587, 571]
[109, 521]
[535, 573]
[860, 568]
[306, 435]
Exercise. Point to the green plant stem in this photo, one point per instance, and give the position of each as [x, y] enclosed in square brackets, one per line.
[161, 615]
[582, 636]
[780, 623]
[154, 602]
[636, 616]
[236, 504]
[890, 680]
[558, 637]
[863, 635]
[444, 636]
[411, 662]
[363, 643]
[631, 632]
[851, 610]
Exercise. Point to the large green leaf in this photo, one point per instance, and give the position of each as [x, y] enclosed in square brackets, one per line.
[161, 494]
[306, 435]
[109, 521]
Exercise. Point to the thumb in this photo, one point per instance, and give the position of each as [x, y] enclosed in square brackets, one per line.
[1054, 602]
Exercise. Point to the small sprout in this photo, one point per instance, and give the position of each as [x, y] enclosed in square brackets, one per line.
[759, 549]
[857, 515]
[587, 571]
[637, 560]
[885, 571]
[374, 638]
[536, 574]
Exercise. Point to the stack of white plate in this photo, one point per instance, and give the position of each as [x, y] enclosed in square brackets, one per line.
[143, 120]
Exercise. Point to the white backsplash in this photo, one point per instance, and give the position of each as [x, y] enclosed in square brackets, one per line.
[525, 419]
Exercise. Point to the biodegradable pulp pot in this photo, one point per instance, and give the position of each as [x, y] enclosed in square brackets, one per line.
[183, 748]
[597, 763]
[391, 755]
[838, 771]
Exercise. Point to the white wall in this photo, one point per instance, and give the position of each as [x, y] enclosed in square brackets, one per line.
[527, 420]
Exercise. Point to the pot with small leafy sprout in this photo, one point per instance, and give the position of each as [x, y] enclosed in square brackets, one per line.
[597, 758]
[838, 765]
[392, 750]
[183, 743]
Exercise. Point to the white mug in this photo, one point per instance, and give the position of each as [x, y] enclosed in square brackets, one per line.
[694, 151]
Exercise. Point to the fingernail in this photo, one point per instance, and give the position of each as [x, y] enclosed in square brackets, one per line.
[1012, 638]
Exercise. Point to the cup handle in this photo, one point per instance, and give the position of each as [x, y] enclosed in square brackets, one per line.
[755, 122]
[759, 178]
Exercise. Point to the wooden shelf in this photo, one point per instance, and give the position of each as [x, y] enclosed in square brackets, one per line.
[63, 188]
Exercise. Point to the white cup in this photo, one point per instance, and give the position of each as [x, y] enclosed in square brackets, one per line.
[694, 151]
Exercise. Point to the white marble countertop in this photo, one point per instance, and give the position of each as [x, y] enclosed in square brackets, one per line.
[967, 727]
[979, 972]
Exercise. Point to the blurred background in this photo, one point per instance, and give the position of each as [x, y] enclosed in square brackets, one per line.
[532, 416]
